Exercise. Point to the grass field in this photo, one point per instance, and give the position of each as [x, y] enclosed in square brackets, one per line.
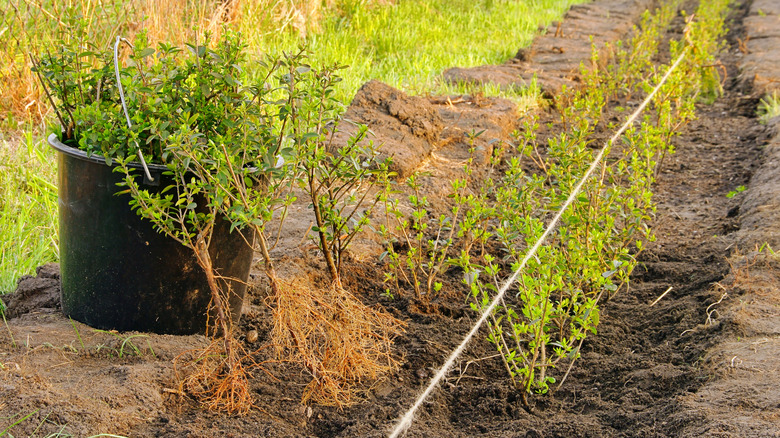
[409, 43]
[406, 44]
[28, 208]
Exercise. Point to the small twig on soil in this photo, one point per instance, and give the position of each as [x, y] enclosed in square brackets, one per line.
[677, 215]
[10, 333]
[743, 45]
[662, 295]
[461, 372]
[710, 312]
[174, 391]
[305, 235]
[69, 362]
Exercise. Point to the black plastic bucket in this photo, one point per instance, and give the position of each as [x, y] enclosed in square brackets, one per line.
[117, 272]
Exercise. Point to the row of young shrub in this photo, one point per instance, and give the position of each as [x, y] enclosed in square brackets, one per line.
[495, 218]
[595, 248]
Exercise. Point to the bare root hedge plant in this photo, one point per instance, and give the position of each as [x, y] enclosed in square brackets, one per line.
[235, 148]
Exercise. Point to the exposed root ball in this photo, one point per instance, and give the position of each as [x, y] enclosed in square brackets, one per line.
[338, 339]
[217, 378]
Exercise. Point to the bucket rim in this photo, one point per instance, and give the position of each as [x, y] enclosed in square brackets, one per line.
[55, 143]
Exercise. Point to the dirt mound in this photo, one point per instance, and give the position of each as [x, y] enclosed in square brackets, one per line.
[72, 379]
[432, 135]
[492, 118]
[416, 131]
[40, 293]
[759, 45]
[406, 128]
[555, 57]
[741, 396]
[761, 205]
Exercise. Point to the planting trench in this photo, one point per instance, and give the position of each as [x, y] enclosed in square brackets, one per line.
[704, 360]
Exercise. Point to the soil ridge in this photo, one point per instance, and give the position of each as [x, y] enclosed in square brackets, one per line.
[554, 57]
[741, 398]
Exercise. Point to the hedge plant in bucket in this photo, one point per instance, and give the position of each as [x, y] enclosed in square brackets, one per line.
[206, 161]
[173, 137]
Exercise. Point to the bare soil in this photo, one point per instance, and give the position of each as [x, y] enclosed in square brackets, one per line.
[703, 361]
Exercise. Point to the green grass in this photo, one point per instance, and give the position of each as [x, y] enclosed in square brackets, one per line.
[406, 44]
[769, 107]
[526, 98]
[28, 207]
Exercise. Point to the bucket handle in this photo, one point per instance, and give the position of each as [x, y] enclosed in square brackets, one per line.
[124, 106]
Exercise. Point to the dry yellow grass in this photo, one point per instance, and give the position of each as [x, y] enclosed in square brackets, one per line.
[29, 26]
